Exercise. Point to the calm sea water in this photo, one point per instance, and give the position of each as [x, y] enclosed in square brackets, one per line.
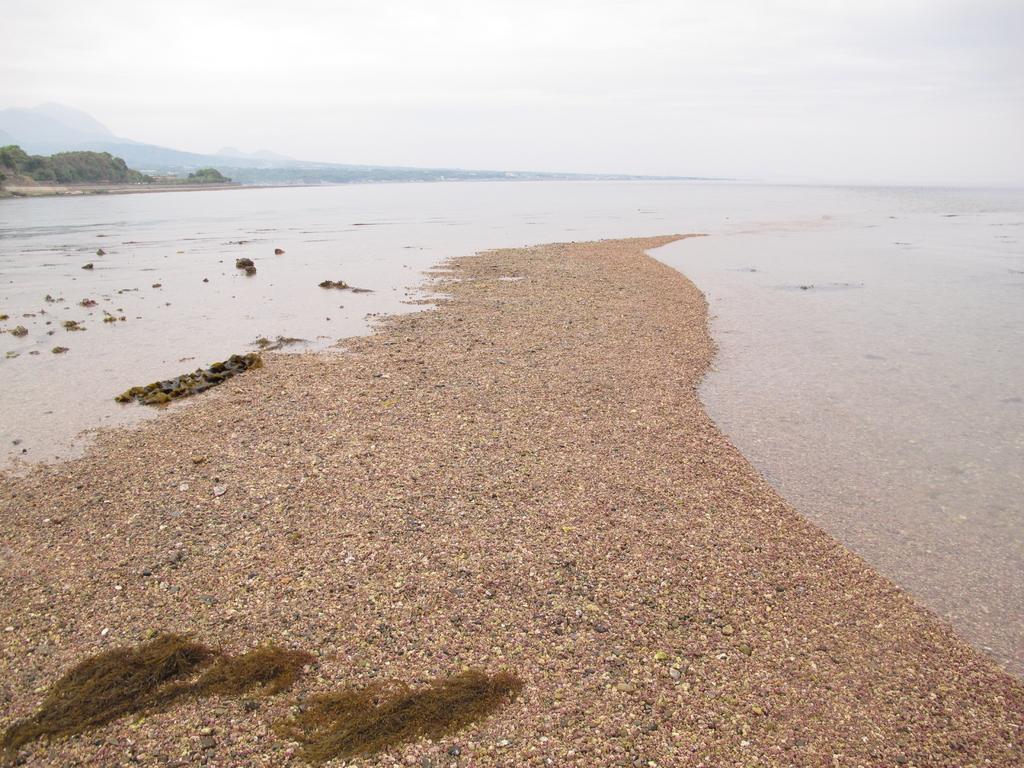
[870, 340]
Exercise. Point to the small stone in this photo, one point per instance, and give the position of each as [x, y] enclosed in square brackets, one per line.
[220, 490]
[454, 751]
[625, 687]
[207, 742]
[728, 629]
[183, 487]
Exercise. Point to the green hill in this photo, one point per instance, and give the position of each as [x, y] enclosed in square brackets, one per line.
[17, 166]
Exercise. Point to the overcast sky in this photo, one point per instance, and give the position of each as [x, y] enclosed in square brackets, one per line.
[901, 91]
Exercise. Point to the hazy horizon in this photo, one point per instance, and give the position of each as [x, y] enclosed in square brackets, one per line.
[891, 93]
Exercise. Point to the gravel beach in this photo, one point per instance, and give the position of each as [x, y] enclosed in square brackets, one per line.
[522, 479]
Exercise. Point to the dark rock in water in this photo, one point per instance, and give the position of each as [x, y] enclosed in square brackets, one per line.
[87, 303]
[243, 263]
[72, 325]
[19, 330]
[250, 270]
[361, 290]
[278, 251]
[88, 266]
[100, 252]
[160, 392]
[59, 350]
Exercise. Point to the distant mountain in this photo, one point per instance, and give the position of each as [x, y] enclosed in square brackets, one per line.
[263, 154]
[74, 119]
[51, 128]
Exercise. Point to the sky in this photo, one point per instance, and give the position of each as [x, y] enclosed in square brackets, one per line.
[864, 91]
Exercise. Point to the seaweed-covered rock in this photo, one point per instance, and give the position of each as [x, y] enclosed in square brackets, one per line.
[100, 252]
[160, 392]
[19, 330]
[243, 263]
[59, 350]
[72, 325]
[87, 266]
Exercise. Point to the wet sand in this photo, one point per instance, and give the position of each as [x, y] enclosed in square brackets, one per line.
[522, 479]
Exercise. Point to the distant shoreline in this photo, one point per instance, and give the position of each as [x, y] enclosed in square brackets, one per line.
[58, 190]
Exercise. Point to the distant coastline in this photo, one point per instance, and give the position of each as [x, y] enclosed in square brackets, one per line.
[14, 191]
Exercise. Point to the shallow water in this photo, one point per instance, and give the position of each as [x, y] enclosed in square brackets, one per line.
[869, 339]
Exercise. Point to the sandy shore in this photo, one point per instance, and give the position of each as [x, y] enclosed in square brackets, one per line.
[525, 480]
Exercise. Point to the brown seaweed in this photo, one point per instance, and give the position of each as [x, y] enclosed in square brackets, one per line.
[341, 285]
[356, 722]
[187, 384]
[279, 343]
[150, 678]
[107, 686]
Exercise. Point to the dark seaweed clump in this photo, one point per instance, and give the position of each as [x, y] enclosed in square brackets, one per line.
[279, 343]
[106, 686]
[150, 678]
[362, 721]
[160, 392]
[341, 285]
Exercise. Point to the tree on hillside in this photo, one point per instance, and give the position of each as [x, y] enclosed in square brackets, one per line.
[208, 176]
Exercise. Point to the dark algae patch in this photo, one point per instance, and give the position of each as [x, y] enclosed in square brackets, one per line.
[269, 669]
[361, 721]
[341, 285]
[200, 380]
[279, 343]
[148, 678]
[155, 675]
[107, 686]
